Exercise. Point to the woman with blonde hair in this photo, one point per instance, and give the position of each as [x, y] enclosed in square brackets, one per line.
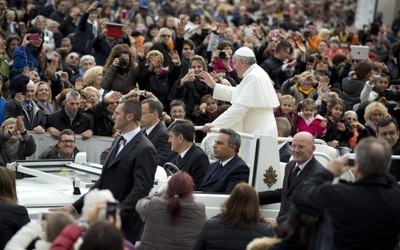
[164, 44]
[238, 224]
[121, 70]
[44, 98]
[173, 212]
[12, 215]
[159, 80]
[93, 78]
[374, 112]
[300, 86]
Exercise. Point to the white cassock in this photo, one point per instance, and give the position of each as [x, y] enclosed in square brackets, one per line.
[252, 102]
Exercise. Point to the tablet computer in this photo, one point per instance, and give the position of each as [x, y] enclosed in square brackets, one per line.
[359, 52]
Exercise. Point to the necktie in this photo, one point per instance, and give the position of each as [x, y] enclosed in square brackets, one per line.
[29, 110]
[215, 170]
[121, 145]
[145, 133]
[293, 175]
[115, 149]
[178, 159]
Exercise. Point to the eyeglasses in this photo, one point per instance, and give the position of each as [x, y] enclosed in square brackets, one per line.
[299, 147]
[390, 133]
[165, 35]
[67, 141]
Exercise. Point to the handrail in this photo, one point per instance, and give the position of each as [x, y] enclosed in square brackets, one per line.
[216, 130]
[290, 139]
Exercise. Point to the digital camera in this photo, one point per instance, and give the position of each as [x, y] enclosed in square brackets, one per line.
[123, 62]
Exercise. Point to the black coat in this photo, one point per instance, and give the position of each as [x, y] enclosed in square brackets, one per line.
[104, 124]
[285, 152]
[273, 66]
[12, 218]
[225, 179]
[195, 162]
[285, 194]
[129, 177]
[217, 235]
[13, 110]
[360, 215]
[159, 137]
[60, 121]
[83, 37]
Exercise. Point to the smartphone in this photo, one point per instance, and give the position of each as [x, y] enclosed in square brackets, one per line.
[351, 161]
[141, 92]
[191, 71]
[33, 37]
[124, 14]
[99, 5]
[111, 210]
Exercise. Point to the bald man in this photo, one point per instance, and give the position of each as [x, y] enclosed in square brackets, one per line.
[296, 172]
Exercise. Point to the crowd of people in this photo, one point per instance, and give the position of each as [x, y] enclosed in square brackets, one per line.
[147, 72]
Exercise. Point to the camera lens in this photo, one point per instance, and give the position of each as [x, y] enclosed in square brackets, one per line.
[123, 62]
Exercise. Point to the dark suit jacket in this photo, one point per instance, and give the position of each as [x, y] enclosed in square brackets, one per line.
[285, 153]
[355, 215]
[285, 194]
[12, 218]
[195, 162]
[159, 137]
[225, 179]
[129, 177]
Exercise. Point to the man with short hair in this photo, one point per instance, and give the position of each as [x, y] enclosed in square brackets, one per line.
[185, 154]
[311, 36]
[275, 66]
[65, 148]
[70, 117]
[155, 129]
[128, 171]
[86, 62]
[296, 172]
[252, 101]
[354, 215]
[23, 104]
[72, 60]
[388, 130]
[223, 175]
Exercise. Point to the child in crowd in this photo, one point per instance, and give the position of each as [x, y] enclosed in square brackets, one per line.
[338, 132]
[287, 109]
[309, 121]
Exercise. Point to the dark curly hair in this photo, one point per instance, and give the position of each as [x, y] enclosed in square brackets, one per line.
[117, 51]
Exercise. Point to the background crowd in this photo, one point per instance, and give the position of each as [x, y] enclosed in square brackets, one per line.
[65, 66]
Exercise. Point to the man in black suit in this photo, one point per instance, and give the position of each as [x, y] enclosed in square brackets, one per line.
[284, 130]
[388, 129]
[129, 169]
[154, 129]
[223, 175]
[359, 215]
[185, 154]
[296, 172]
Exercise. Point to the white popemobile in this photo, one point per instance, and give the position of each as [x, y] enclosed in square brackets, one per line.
[58, 182]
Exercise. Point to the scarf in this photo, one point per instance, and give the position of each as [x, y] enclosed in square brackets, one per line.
[371, 125]
[94, 24]
[353, 140]
[305, 91]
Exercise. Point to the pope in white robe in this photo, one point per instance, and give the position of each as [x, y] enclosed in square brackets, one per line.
[252, 100]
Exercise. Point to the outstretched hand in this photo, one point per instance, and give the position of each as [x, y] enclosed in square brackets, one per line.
[207, 79]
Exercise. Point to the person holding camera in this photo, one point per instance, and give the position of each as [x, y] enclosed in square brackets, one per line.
[300, 86]
[359, 215]
[121, 69]
[222, 57]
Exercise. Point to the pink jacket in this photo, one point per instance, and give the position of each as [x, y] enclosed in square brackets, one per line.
[312, 126]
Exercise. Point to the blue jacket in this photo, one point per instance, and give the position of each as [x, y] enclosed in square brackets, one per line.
[25, 57]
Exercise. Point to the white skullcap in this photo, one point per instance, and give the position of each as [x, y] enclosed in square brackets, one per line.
[245, 52]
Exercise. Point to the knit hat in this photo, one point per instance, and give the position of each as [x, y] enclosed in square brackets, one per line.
[18, 84]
